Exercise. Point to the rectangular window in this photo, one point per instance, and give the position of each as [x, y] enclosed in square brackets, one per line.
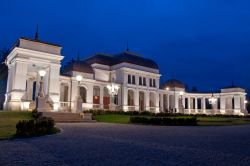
[133, 79]
[150, 82]
[140, 81]
[129, 79]
[154, 85]
[218, 103]
[186, 103]
[144, 81]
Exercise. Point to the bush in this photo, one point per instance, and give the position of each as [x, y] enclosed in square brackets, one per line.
[164, 121]
[36, 114]
[41, 126]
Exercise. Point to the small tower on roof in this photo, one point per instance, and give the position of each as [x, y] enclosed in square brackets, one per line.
[36, 34]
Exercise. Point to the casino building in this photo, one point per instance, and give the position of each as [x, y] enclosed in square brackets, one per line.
[125, 81]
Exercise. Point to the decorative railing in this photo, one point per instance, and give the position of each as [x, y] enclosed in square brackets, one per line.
[152, 109]
[96, 106]
[131, 108]
[64, 104]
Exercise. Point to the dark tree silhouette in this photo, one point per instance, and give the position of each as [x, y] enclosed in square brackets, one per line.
[194, 89]
[3, 68]
[248, 105]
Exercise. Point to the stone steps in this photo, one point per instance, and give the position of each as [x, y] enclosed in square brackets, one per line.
[62, 117]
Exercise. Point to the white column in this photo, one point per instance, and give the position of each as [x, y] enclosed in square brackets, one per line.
[237, 105]
[54, 85]
[101, 96]
[189, 105]
[176, 102]
[125, 99]
[162, 103]
[222, 105]
[29, 89]
[168, 102]
[204, 105]
[136, 99]
[147, 100]
[19, 84]
[196, 105]
[89, 99]
[157, 109]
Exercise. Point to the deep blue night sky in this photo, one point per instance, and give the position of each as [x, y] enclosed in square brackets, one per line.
[204, 43]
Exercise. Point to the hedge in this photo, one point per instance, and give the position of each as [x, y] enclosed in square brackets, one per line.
[164, 121]
[161, 114]
[38, 126]
[41, 126]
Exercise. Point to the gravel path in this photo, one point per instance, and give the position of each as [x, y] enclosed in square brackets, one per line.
[116, 144]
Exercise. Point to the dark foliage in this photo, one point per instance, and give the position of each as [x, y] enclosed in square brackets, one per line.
[164, 121]
[36, 114]
[161, 114]
[40, 126]
[3, 66]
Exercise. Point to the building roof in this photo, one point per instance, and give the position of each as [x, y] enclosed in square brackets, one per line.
[173, 83]
[125, 56]
[80, 66]
[136, 59]
[17, 43]
[100, 58]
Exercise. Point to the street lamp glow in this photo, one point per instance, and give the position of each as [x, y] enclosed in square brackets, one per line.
[79, 78]
[42, 73]
[181, 93]
[245, 101]
[113, 89]
[167, 88]
[212, 100]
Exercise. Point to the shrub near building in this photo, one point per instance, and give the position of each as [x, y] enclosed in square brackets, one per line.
[36, 127]
[164, 121]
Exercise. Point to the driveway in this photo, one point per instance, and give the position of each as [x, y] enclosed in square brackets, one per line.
[117, 144]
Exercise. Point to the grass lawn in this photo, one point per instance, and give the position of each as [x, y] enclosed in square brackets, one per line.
[110, 118]
[202, 121]
[8, 122]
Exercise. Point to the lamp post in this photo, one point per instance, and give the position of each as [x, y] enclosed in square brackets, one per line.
[42, 73]
[78, 98]
[212, 101]
[113, 91]
[181, 102]
[40, 100]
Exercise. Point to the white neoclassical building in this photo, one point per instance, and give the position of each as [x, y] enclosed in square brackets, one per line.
[127, 81]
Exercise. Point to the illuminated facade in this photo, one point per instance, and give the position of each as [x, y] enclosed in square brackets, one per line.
[136, 79]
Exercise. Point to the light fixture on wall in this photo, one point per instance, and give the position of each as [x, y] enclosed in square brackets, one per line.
[113, 89]
[79, 98]
[79, 78]
[42, 73]
[181, 109]
[167, 88]
[245, 101]
[212, 100]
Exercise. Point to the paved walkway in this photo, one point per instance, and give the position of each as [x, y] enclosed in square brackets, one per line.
[115, 144]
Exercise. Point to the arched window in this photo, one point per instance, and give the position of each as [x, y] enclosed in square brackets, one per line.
[96, 95]
[83, 93]
[106, 99]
